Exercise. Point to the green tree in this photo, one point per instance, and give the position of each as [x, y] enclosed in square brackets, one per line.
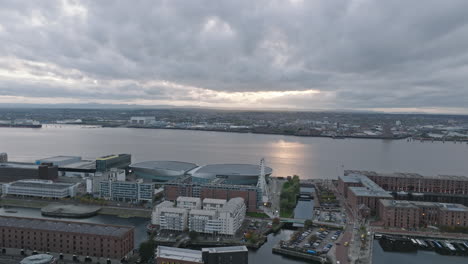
[193, 235]
[147, 249]
[308, 223]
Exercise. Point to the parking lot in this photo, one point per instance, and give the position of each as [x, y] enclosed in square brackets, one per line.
[314, 241]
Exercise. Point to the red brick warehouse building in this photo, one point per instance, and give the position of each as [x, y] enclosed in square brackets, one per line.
[84, 239]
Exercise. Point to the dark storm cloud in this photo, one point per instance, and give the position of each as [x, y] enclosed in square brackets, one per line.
[359, 54]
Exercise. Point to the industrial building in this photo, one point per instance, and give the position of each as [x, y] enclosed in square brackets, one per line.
[120, 161]
[40, 188]
[77, 238]
[13, 171]
[161, 171]
[186, 187]
[218, 255]
[238, 174]
[411, 214]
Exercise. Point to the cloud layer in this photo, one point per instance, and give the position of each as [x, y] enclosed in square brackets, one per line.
[309, 54]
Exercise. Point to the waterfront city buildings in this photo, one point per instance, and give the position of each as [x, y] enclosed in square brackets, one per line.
[40, 188]
[77, 238]
[386, 196]
[215, 255]
[142, 120]
[414, 214]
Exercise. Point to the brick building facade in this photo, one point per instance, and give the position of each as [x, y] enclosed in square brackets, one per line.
[85, 239]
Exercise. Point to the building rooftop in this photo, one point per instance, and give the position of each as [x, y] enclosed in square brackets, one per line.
[368, 188]
[173, 210]
[202, 212]
[232, 204]
[83, 164]
[58, 159]
[38, 259]
[231, 169]
[180, 254]
[214, 201]
[406, 175]
[64, 226]
[165, 165]
[418, 204]
[225, 249]
[41, 184]
[165, 204]
[188, 199]
[21, 165]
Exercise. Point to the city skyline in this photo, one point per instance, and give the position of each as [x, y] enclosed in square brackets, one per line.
[301, 55]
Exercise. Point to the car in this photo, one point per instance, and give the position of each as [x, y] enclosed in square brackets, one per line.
[333, 238]
[346, 243]
[306, 245]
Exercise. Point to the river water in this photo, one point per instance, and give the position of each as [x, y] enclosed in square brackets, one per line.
[287, 155]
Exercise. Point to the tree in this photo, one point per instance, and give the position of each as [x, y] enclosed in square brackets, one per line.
[308, 223]
[193, 235]
[147, 249]
[276, 221]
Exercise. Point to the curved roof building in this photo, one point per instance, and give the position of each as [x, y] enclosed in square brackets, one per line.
[241, 174]
[161, 171]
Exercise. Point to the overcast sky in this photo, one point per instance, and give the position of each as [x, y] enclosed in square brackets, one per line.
[397, 55]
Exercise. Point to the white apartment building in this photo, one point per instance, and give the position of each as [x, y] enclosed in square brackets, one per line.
[156, 214]
[204, 221]
[172, 218]
[188, 202]
[231, 216]
[40, 188]
[217, 216]
[213, 204]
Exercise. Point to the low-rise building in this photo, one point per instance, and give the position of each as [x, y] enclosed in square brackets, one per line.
[40, 188]
[218, 255]
[188, 202]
